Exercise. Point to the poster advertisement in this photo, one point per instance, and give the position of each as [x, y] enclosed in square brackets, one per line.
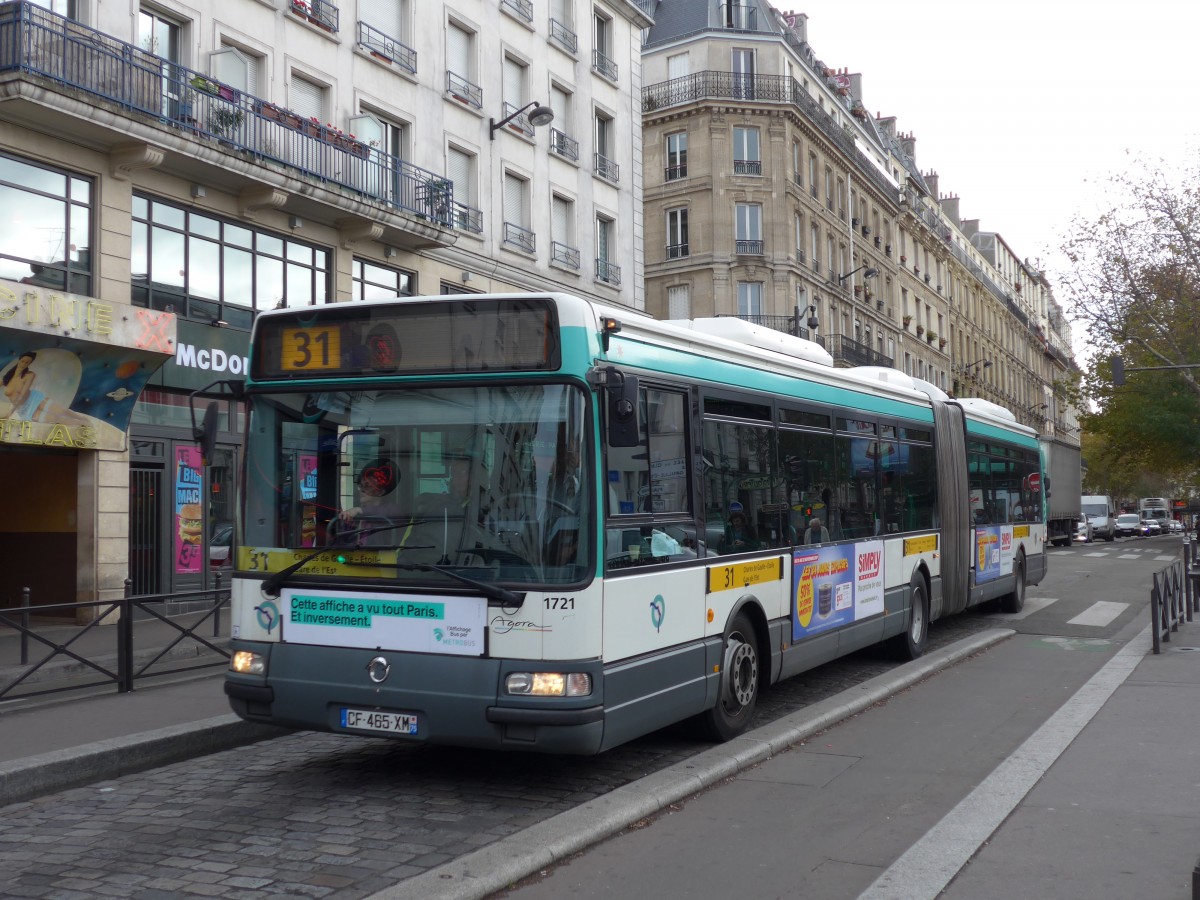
[993, 552]
[189, 513]
[307, 479]
[834, 586]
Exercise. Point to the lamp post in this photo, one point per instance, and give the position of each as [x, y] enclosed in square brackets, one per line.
[870, 273]
[985, 363]
[539, 115]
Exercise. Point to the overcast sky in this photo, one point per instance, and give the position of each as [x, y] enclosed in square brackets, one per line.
[1023, 107]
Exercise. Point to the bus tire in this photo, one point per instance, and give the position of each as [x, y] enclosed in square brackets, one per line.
[911, 644]
[1015, 602]
[740, 682]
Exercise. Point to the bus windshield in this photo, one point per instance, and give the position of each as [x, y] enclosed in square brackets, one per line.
[485, 479]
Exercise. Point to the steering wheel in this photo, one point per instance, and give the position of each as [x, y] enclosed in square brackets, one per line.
[531, 501]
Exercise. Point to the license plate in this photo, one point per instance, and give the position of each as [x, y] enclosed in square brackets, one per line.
[374, 720]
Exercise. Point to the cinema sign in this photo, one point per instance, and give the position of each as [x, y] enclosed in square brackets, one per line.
[72, 367]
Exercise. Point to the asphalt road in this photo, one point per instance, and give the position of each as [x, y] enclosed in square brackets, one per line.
[336, 816]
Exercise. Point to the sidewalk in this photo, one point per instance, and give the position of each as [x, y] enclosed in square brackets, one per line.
[1111, 809]
[50, 742]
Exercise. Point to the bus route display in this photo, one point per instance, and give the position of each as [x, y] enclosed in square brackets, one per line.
[426, 337]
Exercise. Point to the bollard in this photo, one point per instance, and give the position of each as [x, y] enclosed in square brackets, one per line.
[24, 626]
[125, 642]
[217, 614]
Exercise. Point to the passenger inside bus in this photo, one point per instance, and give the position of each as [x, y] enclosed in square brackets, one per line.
[739, 535]
[816, 533]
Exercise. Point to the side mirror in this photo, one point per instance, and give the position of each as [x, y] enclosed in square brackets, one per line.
[622, 393]
[207, 433]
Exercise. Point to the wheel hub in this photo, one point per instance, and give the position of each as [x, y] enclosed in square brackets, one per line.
[741, 666]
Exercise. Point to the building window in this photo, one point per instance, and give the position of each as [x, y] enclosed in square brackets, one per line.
[677, 233]
[797, 175]
[605, 166]
[606, 271]
[564, 251]
[602, 56]
[207, 269]
[812, 174]
[679, 304]
[561, 141]
[514, 77]
[516, 214]
[748, 229]
[562, 25]
[747, 155]
[46, 232]
[749, 298]
[676, 156]
[460, 67]
[460, 168]
[372, 281]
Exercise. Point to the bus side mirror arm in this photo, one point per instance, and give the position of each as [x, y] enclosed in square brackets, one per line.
[206, 433]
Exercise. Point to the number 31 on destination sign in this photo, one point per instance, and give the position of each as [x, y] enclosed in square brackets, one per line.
[310, 349]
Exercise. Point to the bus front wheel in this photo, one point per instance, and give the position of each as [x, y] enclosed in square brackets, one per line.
[739, 683]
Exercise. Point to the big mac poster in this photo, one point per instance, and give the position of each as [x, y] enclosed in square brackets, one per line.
[189, 516]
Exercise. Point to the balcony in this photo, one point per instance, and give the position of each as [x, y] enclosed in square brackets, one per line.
[142, 95]
[674, 173]
[786, 324]
[468, 218]
[747, 167]
[762, 90]
[562, 144]
[677, 251]
[387, 49]
[519, 9]
[609, 273]
[520, 238]
[748, 248]
[464, 91]
[321, 13]
[853, 353]
[564, 255]
[519, 121]
[606, 168]
[563, 36]
[602, 65]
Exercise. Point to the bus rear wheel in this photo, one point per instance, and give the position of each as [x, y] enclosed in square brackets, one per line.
[1015, 602]
[739, 689]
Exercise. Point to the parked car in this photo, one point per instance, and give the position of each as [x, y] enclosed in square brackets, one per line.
[1175, 526]
[220, 545]
[1083, 531]
[1128, 525]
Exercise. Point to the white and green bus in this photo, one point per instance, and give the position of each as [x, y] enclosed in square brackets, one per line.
[533, 522]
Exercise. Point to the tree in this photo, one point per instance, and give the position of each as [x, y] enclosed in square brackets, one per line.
[1134, 284]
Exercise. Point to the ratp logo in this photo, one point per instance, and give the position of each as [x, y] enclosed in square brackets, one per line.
[268, 616]
[438, 635]
[658, 612]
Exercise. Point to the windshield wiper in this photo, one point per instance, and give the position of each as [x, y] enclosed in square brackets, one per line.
[272, 584]
[491, 591]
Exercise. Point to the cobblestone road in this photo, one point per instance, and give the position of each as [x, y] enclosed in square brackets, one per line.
[317, 815]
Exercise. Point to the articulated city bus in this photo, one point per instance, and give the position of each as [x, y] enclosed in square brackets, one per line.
[534, 522]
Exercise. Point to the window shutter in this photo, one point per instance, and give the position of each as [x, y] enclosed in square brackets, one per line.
[307, 99]
[678, 302]
[381, 14]
[560, 219]
[458, 52]
[677, 65]
[458, 169]
[514, 196]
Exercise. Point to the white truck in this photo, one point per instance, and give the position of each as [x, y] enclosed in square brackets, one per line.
[1064, 471]
[1102, 514]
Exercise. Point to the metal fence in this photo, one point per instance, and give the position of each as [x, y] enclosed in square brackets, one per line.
[135, 637]
[1173, 595]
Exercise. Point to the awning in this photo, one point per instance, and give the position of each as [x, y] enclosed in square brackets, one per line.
[72, 367]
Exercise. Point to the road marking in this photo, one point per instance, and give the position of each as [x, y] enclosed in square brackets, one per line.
[925, 869]
[1128, 556]
[1164, 559]
[1097, 553]
[1099, 614]
[1088, 644]
[1032, 605]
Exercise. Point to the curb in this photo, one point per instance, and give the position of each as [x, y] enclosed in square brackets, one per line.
[33, 776]
[502, 863]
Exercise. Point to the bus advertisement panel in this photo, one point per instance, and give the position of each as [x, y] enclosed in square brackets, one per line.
[835, 586]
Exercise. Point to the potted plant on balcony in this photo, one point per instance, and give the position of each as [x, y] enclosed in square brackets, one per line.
[907, 321]
[941, 343]
[931, 336]
[920, 330]
[223, 121]
[903, 260]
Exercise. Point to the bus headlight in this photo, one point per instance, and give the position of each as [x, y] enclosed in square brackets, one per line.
[548, 684]
[244, 662]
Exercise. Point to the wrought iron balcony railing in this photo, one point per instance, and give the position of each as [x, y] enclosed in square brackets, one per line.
[564, 145]
[522, 9]
[606, 168]
[464, 91]
[321, 13]
[609, 273]
[677, 251]
[563, 36]
[564, 255]
[74, 59]
[468, 218]
[674, 173]
[521, 238]
[387, 48]
[747, 167]
[603, 65]
[748, 248]
[847, 350]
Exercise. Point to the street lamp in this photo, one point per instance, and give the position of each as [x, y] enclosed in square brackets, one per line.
[870, 273]
[540, 115]
[986, 363]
